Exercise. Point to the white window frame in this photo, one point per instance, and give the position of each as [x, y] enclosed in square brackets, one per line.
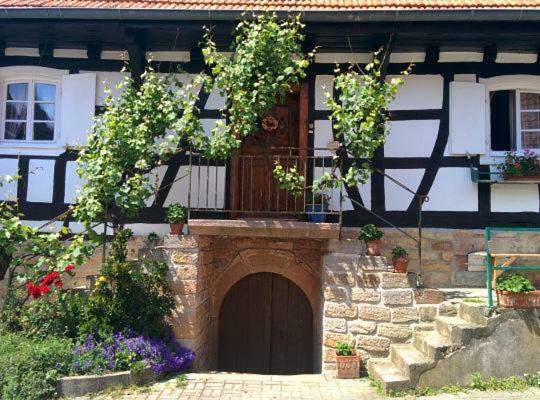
[30, 75]
[524, 83]
[519, 146]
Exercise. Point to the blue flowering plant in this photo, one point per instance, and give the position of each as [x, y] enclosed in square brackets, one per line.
[129, 351]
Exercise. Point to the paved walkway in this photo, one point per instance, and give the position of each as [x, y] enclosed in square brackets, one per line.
[224, 386]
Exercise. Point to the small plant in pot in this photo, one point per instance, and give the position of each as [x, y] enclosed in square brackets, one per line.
[516, 291]
[347, 361]
[316, 206]
[176, 217]
[372, 236]
[400, 259]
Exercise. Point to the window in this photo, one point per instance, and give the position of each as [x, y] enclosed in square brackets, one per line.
[515, 120]
[30, 111]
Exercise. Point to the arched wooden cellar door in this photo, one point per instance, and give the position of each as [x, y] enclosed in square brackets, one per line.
[266, 327]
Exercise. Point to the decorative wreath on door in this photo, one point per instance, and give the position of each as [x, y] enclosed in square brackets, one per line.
[270, 124]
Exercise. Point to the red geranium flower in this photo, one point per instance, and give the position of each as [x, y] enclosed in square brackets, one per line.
[70, 267]
[44, 289]
[49, 278]
[59, 284]
[517, 165]
[34, 290]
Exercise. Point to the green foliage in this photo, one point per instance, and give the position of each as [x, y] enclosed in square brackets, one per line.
[515, 283]
[399, 252]
[343, 349]
[517, 164]
[289, 179]
[59, 315]
[139, 131]
[29, 368]
[129, 295]
[176, 213]
[266, 62]
[370, 232]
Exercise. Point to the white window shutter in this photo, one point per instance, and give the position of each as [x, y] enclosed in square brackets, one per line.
[78, 104]
[468, 130]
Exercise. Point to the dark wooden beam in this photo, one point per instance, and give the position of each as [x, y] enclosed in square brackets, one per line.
[93, 51]
[432, 54]
[46, 49]
[490, 53]
[137, 55]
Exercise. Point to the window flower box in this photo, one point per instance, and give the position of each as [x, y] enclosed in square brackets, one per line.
[520, 167]
[519, 300]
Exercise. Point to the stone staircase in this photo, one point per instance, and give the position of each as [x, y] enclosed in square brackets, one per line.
[472, 341]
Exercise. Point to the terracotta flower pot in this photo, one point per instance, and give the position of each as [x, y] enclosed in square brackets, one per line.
[519, 300]
[374, 247]
[530, 177]
[176, 229]
[400, 265]
[348, 367]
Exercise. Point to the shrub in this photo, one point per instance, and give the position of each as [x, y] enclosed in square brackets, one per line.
[515, 283]
[129, 351]
[399, 252]
[29, 367]
[58, 315]
[176, 213]
[343, 349]
[370, 232]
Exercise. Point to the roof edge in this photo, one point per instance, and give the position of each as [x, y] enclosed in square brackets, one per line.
[405, 15]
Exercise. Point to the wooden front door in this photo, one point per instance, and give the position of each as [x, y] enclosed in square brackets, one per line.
[282, 138]
[266, 327]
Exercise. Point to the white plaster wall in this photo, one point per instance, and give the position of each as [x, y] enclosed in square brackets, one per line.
[215, 100]
[176, 56]
[40, 181]
[453, 190]
[22, 51]
[52, 227]
[110, 80]
[209, 124]
[323, 84]
[73, 182]
[8, 166]
[397, 198]
[514, 198]
[411, 138]
[77, 227]
[334, 194]
[200, 197]
[419, 92]
[70, 53]
[343, 58]
[114, 55]
[523, 58]
[322, 130]
[460, 56]
[146, 229]
[407, 58]
[155, 176]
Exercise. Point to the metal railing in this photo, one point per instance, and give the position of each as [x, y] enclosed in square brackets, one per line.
[249, 189]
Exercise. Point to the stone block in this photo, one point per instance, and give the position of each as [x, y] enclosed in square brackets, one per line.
[337, 325]
[368, 280]
[340, 310]
[447, 310]
[405, 314]
[184, 287]
[354, 246]
[397, 297]
[339, 278]
[436, 278]
[390, 280]
[362, 327]
[335, 293]
[331, 339]
[447, 256]
[373, 343]
[435, 266]
[427, 313]
[397, 333]
[374, 313]
[374, 263]
[423, 327]
[442, 245]
[183, 272]
[365, 295]
[428, 296]
[182, 257]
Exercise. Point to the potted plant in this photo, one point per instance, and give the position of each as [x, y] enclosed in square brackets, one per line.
[400, 259]
[316, 206]
[176, 217]
[520, 167]
[372, 236]
[516, 291]
[347, 361]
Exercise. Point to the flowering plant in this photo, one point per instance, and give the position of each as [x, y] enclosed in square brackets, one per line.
[38, 289]
[125, 351]
[527, 163]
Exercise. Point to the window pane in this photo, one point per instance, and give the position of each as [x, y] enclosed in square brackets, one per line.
[502, 104]
[43, 131]
[17, 91]
[43, 112]
[530, 120]
[530, 140]
[45, 92]
[16, 111]
[530, 101]
[15, 131]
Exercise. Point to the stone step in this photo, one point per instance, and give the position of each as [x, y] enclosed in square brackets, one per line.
[433, 345]
[386, 372]
[456, 329]
[471, 278]
[475, 313]
[409, 360]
